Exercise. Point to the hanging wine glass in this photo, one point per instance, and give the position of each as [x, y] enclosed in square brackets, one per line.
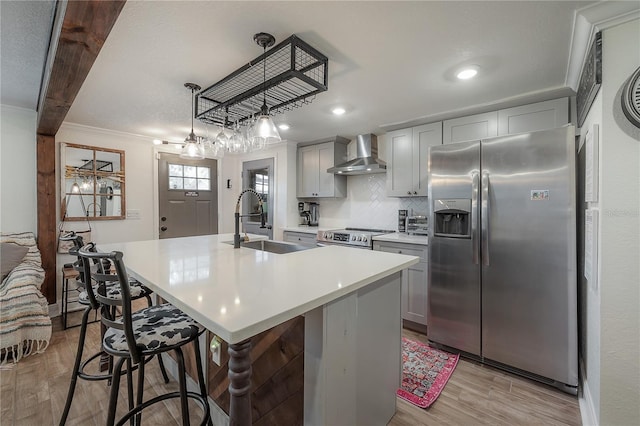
[235, 141]
[222, 140]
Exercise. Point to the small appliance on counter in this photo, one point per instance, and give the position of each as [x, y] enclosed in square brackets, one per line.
[402, 220]
[309, 214]
[417, 225]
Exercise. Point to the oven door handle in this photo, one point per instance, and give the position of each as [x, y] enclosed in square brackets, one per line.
[322, 244]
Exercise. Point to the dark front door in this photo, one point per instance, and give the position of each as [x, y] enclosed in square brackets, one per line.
[188, 196]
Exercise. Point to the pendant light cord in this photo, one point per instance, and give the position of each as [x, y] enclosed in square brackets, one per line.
[192, 101]
[264, 79]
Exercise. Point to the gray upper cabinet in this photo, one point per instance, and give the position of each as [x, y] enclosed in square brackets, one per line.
[407, 156]
[313, 162]
[533, 117]
[469, 128]
[522, 119]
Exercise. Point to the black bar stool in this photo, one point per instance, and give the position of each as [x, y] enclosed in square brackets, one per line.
[92, 305]
[136, 336]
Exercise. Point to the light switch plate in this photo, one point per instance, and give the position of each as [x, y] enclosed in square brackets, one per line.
[133, 214]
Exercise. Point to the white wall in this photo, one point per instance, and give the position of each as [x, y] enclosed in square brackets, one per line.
[18, 195]
[619, 237]
[140, 179]
[286, 213]
[589, 293]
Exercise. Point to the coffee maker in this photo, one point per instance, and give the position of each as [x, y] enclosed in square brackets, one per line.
[309, 214]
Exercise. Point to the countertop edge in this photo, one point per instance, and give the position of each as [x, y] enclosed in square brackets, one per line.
[403, 238]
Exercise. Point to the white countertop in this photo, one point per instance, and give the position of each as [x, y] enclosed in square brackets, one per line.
[403, 238]
[238, 293]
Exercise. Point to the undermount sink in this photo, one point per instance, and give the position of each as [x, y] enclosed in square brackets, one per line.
[277, 247]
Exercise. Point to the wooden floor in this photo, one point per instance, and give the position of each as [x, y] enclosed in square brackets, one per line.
[33, 392]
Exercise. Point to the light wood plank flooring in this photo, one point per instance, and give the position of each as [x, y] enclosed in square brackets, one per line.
[33, 392]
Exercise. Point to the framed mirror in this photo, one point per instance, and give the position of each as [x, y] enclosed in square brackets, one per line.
[93, 183]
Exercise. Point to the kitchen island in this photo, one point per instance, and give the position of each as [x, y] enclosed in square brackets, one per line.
[350, 300]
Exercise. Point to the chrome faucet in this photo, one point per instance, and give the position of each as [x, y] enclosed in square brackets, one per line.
[237, 216]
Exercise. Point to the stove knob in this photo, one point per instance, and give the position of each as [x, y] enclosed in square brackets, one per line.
[353, 238]
[359, 238]
[364, 239]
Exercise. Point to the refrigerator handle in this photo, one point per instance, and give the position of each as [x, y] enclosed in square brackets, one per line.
[474, 215]
[485, 218]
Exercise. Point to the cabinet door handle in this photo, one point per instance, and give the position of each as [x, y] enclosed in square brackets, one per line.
[164, 228]
[408, 192]
[415, 192]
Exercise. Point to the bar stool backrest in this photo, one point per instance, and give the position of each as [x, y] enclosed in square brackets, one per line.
[125, 323]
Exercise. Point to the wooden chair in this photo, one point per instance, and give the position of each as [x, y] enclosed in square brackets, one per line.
[136, 336]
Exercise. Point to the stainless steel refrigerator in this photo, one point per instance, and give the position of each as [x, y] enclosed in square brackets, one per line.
[502, 252]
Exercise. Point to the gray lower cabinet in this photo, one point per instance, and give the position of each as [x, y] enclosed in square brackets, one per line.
[302, 238]
[414, 282]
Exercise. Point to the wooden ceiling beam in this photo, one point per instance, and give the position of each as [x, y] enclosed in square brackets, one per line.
[80, 30]
[85, 27]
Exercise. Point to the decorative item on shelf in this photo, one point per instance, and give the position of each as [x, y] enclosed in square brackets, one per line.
[192, 148]
[590, 80]
[294, 73]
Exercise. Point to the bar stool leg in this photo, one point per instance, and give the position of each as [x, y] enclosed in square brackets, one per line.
[113, 397]
[140, 391]
[201, 382]
[65, 309]
[130, 387]
[183, 387]
[76, 365]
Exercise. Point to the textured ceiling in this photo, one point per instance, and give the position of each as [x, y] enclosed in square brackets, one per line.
[389, 62]
[26, 27]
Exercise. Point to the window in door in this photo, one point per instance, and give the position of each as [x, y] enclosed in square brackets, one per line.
[182, 177]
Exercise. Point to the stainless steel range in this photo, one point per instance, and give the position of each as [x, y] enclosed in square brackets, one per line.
[350, 237]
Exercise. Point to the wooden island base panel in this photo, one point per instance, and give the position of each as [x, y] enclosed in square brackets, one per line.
[277, 375]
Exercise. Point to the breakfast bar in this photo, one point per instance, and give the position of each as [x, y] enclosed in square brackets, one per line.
[350, 300]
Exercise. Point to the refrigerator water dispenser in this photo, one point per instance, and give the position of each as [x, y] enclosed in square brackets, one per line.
[452, 218]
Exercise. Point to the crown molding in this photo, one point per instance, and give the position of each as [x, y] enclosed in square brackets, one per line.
[586, 22]
[89, 129]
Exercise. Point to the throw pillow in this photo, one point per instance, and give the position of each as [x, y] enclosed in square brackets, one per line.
[10, 256]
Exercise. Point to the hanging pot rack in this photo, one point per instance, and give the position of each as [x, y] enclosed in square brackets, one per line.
[295, 73]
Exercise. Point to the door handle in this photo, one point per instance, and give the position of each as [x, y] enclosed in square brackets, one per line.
[164, 228]
[486, 211]
[474, 216]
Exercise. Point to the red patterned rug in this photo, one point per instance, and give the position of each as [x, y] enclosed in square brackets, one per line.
[425, 371]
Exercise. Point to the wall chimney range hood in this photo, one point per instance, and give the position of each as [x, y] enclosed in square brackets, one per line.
[366, 161]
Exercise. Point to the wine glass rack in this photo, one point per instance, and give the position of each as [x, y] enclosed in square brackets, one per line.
[295, 74]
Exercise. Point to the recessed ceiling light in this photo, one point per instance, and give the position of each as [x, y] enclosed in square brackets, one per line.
[157, 142]
[467, 73]
[338, 111]
[283, 126]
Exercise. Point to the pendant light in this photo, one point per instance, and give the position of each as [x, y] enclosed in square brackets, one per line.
[192, 148]
[264, 126]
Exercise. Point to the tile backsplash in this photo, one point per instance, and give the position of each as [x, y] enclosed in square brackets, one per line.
[367, 205]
